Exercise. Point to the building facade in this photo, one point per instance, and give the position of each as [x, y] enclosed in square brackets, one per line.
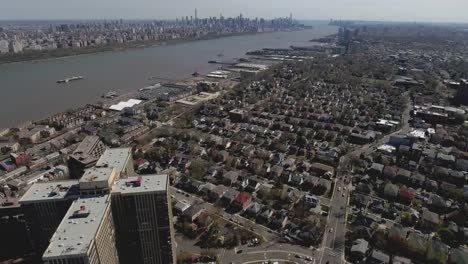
[97, 181]
[143, 220]
[462, 93]
[85, 156]
[86, 234]
[44, 205]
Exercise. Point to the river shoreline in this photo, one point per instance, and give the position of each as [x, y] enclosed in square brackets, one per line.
[129, 46]
[30, 90]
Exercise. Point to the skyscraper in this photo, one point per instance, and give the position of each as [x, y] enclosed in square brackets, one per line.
[85, 235]
[462, 93]
[120, 159]
[142, 216]
[44, 206]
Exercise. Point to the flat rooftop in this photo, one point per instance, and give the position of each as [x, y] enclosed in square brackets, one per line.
[50, 191]
[121, 105]
[141, 184]
[78, 228]
[115, 158]
[97, 177]
[252, 66]
[8, 201]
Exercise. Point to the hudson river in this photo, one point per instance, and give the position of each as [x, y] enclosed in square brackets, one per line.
[29, 90]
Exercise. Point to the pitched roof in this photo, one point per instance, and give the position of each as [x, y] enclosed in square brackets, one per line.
[401, 260]
[243, 198]
[431, 217]
[459, 256]
[407, 193]
[417, 242]
[380, 256]
[360, 246]
[398, 231]
[322, 167]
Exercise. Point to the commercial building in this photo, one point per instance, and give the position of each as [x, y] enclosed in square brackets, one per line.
[118, 158]
[85, 235]
[122, 105]
[142, 216]
[44, 206]
[85, 156]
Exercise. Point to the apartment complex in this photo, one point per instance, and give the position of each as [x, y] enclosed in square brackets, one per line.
[85, 235]
[142, 215]
[44, 206]
[73, 221]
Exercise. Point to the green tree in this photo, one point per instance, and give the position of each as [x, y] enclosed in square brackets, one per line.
[406, 218]
[198, 168]
[447, 236]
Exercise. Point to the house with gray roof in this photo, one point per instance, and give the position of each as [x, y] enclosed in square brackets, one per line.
[378, 257]
[359, 249]
[458, 256]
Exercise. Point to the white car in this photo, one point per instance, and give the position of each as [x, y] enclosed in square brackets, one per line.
[339, 189]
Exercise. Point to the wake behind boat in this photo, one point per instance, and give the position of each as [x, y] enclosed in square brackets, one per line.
[75, 78]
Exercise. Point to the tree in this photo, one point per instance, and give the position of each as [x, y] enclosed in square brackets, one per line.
[301, 141]
[232, 242]
[447, 236]
[162, 104]
[406, 218]
[197, 168]
[319, 190]
[417, 204]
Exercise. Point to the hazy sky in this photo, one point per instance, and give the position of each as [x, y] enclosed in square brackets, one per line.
[389, 10]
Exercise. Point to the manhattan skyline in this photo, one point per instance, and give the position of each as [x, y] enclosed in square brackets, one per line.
[387, 10]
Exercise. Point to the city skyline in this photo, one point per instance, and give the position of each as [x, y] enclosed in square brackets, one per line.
[394, 10]
[247, 136]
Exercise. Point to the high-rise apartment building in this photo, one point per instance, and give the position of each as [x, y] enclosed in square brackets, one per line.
[143, 220]
[85, 235]
[461, 96]
[72, 222]
[44, 206]
[120, 159]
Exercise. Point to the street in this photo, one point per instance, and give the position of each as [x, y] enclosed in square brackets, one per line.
[333, 243]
